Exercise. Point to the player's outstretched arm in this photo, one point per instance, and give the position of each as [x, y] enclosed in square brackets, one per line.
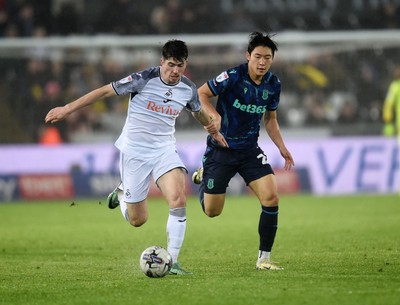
[60, 113]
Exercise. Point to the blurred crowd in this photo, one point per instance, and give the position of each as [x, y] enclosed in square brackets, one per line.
[335, 90]
[331, 90]
[26, 18]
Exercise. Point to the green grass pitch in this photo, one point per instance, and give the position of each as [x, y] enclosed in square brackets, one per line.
[335, 250]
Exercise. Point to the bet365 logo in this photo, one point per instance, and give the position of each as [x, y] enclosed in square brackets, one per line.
[249, 108]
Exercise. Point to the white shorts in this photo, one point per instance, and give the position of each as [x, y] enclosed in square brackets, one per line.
[136, 172]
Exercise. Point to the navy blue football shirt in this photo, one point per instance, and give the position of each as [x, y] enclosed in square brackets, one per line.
[241, 104]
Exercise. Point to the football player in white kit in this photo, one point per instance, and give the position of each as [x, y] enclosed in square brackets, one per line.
[147, 142]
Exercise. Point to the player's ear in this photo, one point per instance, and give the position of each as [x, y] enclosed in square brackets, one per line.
[248, 56]
[162, 61]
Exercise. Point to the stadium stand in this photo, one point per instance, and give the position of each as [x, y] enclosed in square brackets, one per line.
[332, 89]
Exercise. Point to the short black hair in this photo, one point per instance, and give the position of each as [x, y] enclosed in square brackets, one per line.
[259, 39]
[176, 49]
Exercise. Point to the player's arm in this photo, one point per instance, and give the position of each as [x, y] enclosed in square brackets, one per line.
[60, 113]
[204, 118]
[205, 95]
[272, 127]
[387, 111]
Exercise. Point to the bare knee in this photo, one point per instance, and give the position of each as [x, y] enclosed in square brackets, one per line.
[270, 201]
[178, 200]
[213, 204]
[211, 213]
[137, 222]
[137, 213]
[213, 210]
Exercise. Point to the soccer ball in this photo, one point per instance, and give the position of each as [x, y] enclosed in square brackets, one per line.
[155, 261]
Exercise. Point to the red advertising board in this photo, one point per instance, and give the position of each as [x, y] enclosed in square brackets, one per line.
[37, 187]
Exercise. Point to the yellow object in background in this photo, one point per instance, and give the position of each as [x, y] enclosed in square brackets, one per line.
[388, 130]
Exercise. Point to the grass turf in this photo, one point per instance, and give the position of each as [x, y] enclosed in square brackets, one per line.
[335, 250]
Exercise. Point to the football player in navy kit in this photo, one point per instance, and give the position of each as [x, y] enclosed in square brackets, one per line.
[247, 94]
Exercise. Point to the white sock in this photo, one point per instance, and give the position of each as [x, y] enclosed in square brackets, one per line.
[122, 206]
[176, 227]
[263, 255]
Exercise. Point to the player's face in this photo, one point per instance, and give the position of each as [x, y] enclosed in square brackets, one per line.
[172, 70]
[260, 60]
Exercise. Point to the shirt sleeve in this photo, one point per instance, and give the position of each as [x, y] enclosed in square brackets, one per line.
[193, 104]
[274, 99]
[133, 82]
[219, 83]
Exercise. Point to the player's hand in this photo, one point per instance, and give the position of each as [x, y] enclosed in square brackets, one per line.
[220, 139]
[217, 122]
[214, 126]
[213, 130]
[289, 163]
[56, 114]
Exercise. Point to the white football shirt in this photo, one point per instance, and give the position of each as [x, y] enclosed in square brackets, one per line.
[152, 111]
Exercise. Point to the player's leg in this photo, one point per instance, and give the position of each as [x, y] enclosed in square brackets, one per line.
[213, 204]
[214, 178]
[398, 144]
[170, 176]
[114, 198]
[172, 186]
[265, 189]
[135, 176]
[136, 212]
[260, 178]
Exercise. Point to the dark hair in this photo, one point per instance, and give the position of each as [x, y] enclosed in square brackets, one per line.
[259, 39]
[176, 49]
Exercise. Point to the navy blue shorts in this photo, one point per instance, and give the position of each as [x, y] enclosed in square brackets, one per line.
[220, 165]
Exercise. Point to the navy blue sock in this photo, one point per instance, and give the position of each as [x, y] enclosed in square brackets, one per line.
[201, 190]
[267, 227]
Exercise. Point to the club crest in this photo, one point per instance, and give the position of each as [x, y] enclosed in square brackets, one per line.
[210, 183]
